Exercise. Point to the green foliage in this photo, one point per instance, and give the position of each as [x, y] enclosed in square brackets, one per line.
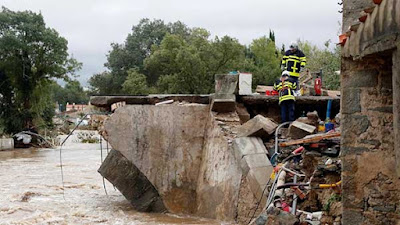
[132, 54]
[30, 55]
[332, 199]
[135, 83]
[264, 62]
[72, 92]
[324, 59]
[189, 66]
[104, 83]
[43, 105]
[177, 59]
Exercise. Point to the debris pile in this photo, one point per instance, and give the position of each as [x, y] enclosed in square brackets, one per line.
[304, 187]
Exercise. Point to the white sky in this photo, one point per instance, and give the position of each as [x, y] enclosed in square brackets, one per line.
[91, 25]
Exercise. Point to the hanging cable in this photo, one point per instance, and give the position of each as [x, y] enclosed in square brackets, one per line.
[101, 155]
[62, 143]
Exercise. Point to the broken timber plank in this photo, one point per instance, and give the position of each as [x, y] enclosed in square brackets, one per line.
[310, 139]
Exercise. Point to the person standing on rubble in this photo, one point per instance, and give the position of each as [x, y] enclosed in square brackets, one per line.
[286, 87]
[294, 61]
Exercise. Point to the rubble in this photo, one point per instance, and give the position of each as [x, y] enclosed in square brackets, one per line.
[306, 184]
[251, 155]
[131, 183]
[275, 216]
[243, 113]
[299, 130]
[216, 161]
[259, 126]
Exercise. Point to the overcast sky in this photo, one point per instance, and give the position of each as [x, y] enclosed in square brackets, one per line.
[91, 25]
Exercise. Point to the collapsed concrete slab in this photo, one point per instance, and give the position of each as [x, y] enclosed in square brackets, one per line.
[251, 155]
[299, 130]
[259, 126]
[220, 175]
[131, 183]
[166, 144]
[107, 101]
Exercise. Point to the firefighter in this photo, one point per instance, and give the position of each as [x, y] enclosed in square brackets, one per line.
[294, 61]
[286, 87]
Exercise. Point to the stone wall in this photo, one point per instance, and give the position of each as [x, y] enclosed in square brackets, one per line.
[370, 185]
[351, 11]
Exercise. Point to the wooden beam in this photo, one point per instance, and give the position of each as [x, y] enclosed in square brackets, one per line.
[310, 139]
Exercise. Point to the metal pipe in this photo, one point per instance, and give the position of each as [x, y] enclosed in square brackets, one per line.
[294, 204]
[280, 182]
[276, 153]
[276, 134]
[330, 185]
[293, 172]
[288, 185]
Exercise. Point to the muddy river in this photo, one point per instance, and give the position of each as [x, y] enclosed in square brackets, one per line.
[31, 190]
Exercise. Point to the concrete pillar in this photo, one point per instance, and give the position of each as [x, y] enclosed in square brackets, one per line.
[396, 106]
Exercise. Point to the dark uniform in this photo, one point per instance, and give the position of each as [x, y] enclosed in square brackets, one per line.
[286, 97]
[293, 62]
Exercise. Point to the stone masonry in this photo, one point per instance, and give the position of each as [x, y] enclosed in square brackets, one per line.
[370, 153]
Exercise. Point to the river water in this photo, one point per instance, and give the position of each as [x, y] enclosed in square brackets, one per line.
[31, 190]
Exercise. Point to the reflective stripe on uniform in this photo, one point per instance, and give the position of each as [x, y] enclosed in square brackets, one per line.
[303, 61]
[294, 74]
[286, 97]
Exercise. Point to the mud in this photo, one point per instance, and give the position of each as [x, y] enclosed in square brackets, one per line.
[32, 190]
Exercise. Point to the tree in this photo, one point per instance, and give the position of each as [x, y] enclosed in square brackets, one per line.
[103, 83]
[189, 66]
[264, 61]
[72, 92]
[31, 54]
[135, 83]
[325, 59]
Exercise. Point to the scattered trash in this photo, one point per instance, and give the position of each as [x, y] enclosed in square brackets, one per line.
[307, 173]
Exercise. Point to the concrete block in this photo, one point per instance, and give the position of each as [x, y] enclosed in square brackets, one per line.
[246, 149]
[245, 80]
[131, 183]
[261, 174]
[248, 145]
[6, 143]
[259, 126]
[256, 161]
[223, 103]
[226, 84]
[256, 188]
[298, 130]
[242, 112]
[251, 155]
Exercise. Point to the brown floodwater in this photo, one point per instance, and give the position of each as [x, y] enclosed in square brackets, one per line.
[31, 190]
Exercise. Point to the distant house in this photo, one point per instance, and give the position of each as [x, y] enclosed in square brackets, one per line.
[75, 107]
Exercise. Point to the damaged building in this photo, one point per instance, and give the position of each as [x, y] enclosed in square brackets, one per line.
[370, 85]
[222, 155]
